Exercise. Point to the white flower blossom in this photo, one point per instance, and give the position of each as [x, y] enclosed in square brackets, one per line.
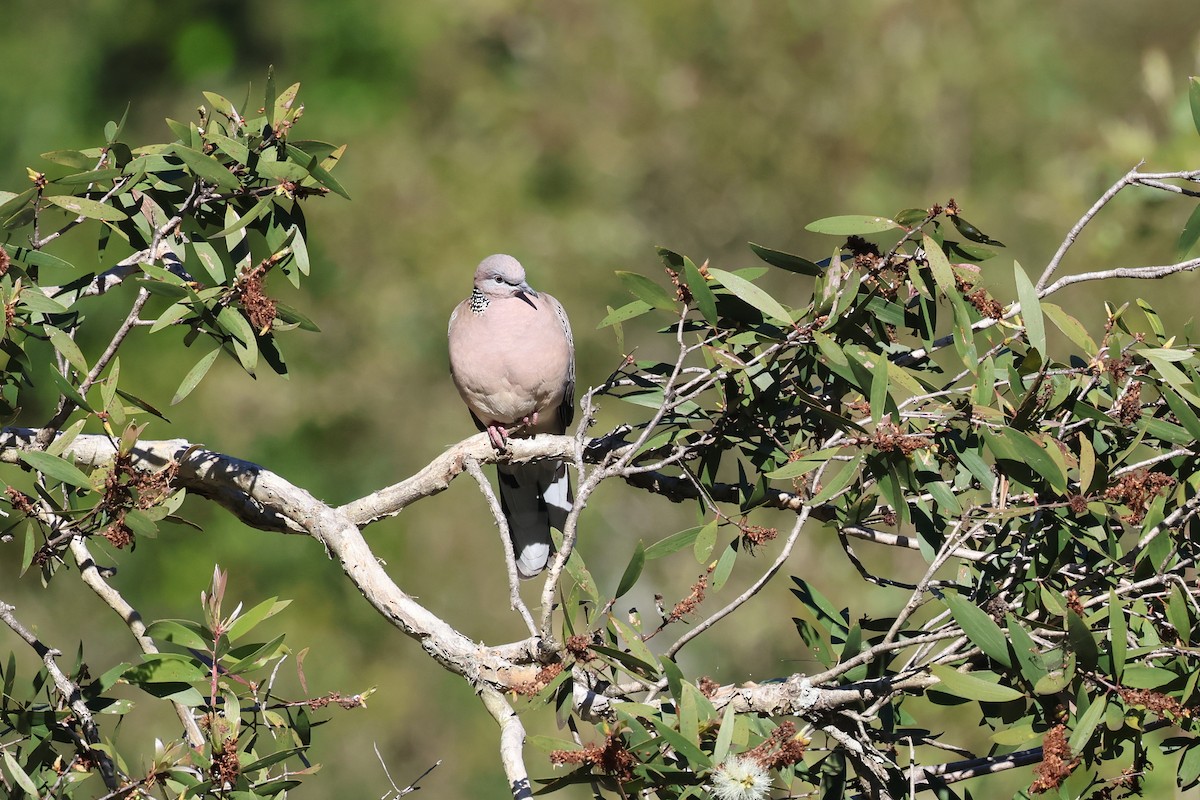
[740, 778]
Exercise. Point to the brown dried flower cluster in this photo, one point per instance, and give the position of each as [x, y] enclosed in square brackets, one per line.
[682, 293]
[1057, 761]
[978, 296]
[1135, 490]
[539, 682]
[889, 438]
[1154, 702]
[689, 604]
[260, 309]
[781, 749]
[225, 766]
[707, 686]
[1077, 504]
[756, 535]
[612, 759]
[125, 488]
[20, 501]
[1118, 368]
[1128, 409]
[353, 701]
[579, 646]
[4, 261]
[1074, 603]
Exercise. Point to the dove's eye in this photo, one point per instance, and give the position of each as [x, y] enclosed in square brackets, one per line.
[498, 279]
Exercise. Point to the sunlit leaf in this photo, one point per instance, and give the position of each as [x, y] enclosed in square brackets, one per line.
[971, 686]
[85, 207]
[755, 296]
[851, 225]
[1031, 310]
[980, 628]
[56, 468]
[647, 291]
[194, 376]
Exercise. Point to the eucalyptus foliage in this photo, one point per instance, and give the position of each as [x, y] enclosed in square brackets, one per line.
[1039, 467]
[198, 226]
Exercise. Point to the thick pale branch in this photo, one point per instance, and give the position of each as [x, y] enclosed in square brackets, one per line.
[264, 499]
[512, 738]
[798, 696]
[90, 574]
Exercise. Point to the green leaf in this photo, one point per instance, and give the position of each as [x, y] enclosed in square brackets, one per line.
[851, 225]
[254, 213]
[64, 439]
[1085, 726]
[879, 388]
[625, 313]
[939, 265]
[85, 207]
[57, 468]
[291, 316]
[1188, 772]
[1146, 677]
[220, 105]
[140, 523]
[633, 571]
[980, 628]
[803, 465]
[647, 291]
[706, 540]
[165, 668]
[15, 207]
[1189, 235]
[683, 746]
[182, 632]
[1031, 310]
[847, 474]
[748, 292]
[1013, 445]
[91, 176]
[194, 376]
[724, 567]
[1017, 734]
[253, 656]
[701, 294]
[172, 314]
[1194, 100]
[971, 232]
[786, 261]
[70, 158]
[972, 687]
[206, 168]
[634, 644]
[33, 299]
[672, 543]
[1117, 635]
[285, 101]
[65, 345]
[282, 171]
[724, 736]
[18, 775]
[1162, 360]
[37, 258]
[316, 170]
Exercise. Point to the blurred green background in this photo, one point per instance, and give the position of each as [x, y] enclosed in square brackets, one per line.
[575, 136]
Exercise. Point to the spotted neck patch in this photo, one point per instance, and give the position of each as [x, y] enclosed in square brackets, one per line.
[479, 301]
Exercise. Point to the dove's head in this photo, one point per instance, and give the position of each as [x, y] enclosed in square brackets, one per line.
[503, 276]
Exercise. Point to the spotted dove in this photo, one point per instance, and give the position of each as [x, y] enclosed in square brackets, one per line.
[513, 361]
